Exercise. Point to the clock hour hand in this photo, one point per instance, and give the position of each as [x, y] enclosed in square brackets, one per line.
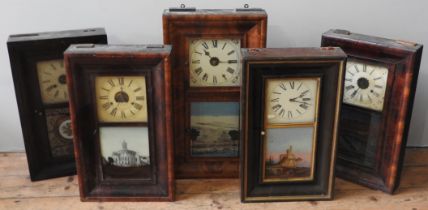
[207, 53]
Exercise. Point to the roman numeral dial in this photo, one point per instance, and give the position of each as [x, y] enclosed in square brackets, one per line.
[365, 85]
[121, 98]
[52, 81]
[291, 100]
[214, 62]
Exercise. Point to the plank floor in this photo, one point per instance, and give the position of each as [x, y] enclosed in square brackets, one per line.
[18, 192]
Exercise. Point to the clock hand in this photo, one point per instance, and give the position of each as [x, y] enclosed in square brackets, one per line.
[300, 96]
[207, 53]
[302, 102]
[229, 61]
[355, 93]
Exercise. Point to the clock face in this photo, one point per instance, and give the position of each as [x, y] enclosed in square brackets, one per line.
[291, 100]
[214, 62]
[52, 81]
[365, 84]
[121, 98]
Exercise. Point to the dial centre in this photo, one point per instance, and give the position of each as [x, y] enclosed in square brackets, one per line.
[62, 79]
[121, 97]
[214, 61]
[363, 83]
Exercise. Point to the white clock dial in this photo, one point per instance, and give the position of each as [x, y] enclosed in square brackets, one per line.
[291, 100]
[52, 81]
[214, 62]
[365, 85]
[121, 98]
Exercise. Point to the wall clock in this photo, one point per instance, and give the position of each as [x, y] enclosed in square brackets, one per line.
[206, 80]
[379, 90]
[41, 92]
[290, 104]
[121, 113]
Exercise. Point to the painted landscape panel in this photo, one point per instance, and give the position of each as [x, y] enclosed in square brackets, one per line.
[289, 154]
[214, 129]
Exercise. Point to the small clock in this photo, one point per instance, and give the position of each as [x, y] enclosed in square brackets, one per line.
[41, 92]
[120, 105]
[290, 104]
[206, 81]
[379, 90]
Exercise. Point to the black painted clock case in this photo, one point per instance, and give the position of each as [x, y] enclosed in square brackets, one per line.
[327, 64]
[83, 64]
[24, 51]
[391, 126]
[249, 25]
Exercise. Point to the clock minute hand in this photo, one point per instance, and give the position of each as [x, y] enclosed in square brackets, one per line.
[302, 102]
[300, 96]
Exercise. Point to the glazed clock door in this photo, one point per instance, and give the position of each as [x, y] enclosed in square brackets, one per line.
[122, 110]
[364, 100]
[213, 119]
[52, 84]
[290, 129]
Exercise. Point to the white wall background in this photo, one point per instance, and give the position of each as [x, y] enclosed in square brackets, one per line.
[291, 23]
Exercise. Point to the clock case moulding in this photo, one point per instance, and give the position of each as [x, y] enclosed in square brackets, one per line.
[403, 60]
[25, 50]
[83, 64]
[259, 65]
[179, 25]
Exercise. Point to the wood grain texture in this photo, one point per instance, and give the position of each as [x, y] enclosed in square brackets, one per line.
[18, 192]
[259, 65]
[179, 27]
[402, 60]
[83, 64]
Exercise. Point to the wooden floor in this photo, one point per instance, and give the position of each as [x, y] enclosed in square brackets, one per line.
[18, 192]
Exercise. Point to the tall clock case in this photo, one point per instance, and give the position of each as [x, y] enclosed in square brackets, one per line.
[120, 106]
[290, 105]
[206, 65]
[42, 97]
[379, 89]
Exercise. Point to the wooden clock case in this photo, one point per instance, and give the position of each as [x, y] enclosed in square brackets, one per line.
[260, 65]
[179, 25]
[25, 50]
[392, 124]
[83, 64]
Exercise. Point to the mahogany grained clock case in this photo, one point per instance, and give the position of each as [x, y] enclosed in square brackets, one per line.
[290, 105]
[206, 82]
[41, 93]
[379, 90]
[120, 106]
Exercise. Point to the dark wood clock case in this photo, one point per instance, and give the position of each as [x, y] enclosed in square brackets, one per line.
[83, 64]
[180, 25]
[262, 65]
[372, 144]
[25, 50]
